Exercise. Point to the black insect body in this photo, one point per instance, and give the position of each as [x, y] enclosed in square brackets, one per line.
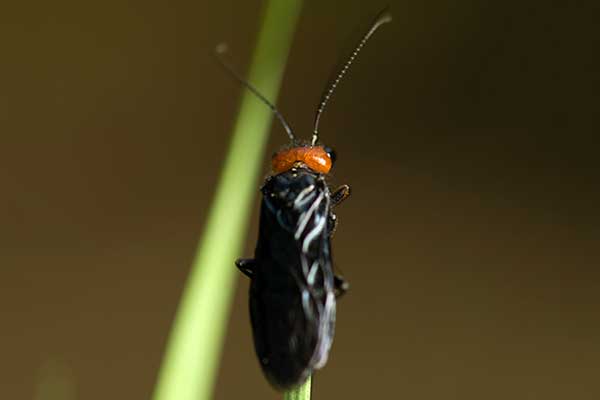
[293, 286]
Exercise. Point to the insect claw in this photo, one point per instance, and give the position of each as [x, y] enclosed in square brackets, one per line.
[246, 266]
[341, 286]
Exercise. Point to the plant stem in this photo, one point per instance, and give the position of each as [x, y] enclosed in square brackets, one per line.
[302, 392]
[191, 359]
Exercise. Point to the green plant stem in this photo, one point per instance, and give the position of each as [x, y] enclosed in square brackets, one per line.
[302, 392]
[191, 358]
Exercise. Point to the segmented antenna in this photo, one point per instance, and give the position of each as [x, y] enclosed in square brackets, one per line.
[382, 18]
[222, 49]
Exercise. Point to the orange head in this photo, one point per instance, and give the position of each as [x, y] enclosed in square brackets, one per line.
[318, 158]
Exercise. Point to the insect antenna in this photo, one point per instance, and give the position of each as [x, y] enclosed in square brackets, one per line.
[382, 18]
[222, 49]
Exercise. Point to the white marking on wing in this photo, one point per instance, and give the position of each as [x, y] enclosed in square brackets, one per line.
[304, 218]
[303, 196]
[325, 338]
[310, 278]
[320, 224]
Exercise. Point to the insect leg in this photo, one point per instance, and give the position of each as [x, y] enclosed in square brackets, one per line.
[341, 285]
[340, 194]
[246, 266]
[332, 225]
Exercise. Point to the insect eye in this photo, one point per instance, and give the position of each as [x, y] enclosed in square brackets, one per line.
[331, 153]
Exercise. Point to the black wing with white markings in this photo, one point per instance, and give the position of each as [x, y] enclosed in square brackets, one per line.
[292, 300]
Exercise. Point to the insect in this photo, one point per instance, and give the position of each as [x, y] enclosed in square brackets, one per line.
[293, 286]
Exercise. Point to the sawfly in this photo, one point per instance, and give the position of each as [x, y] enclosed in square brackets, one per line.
[293, 286]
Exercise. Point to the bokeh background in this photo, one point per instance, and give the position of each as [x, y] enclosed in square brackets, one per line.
[468, 131]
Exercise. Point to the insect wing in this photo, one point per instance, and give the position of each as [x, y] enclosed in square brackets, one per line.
[292, 301]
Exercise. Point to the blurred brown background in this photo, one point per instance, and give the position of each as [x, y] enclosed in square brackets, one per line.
[469, 134]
